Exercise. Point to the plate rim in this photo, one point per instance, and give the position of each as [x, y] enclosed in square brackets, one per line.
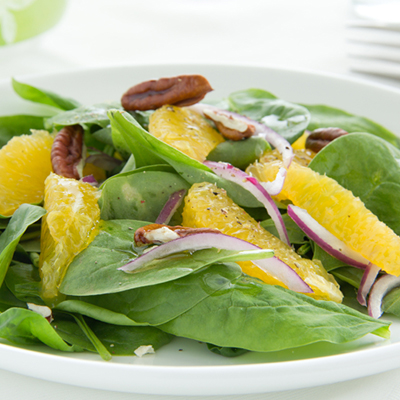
[379, 352]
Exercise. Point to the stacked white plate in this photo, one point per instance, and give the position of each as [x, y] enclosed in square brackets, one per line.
[373, 45]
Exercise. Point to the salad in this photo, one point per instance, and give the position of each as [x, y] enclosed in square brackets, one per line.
[247, 224]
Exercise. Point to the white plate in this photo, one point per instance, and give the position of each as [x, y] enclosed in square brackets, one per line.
[186, 367]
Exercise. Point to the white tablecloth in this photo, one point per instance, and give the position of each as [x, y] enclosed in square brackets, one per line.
[306, 34]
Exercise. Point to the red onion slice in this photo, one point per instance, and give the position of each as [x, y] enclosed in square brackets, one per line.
[381, 287]
[368, 279]
[326, 240]
[103, 160]
[261, 130]
[229, 172]
[172, 204]
[206, 240]
[91, 180]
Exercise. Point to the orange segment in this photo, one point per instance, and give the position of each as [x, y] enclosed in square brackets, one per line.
[338, 210]
[185, 130]
[301, 156]
[208, 206]
[24, 165]
[300, 143]
[67, 228]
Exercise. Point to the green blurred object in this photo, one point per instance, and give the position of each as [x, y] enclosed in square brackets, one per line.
[24, 19]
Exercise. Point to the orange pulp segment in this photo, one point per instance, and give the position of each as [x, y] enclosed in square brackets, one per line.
[208, 206]
[185, 130]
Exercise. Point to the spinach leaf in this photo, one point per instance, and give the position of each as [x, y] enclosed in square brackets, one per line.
[24, 216]
[94, 270]
[24, 282]
[226, 351]
[37, 95]
[239, 153]
[157, 304]
[119, 340]
[94, 340]
[140, 194]
[8, 300]
[350, 275]
[104, 135]
[329, 262]
[374, 179]
[16, 125]
[84, 115]
[149, 150]
[296, 235]
[22, 326]
[287, 119]
[261, 317]
[325, 116]
[391, 302]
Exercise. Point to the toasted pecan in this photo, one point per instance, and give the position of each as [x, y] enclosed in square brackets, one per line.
[66, 152]
[319, 138]
[183, 90]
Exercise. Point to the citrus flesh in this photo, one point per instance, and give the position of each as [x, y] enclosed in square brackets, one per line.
[25, 163]
[301, 156]
[185, 130]
[338, 210]
[208, 206]
[68, 227]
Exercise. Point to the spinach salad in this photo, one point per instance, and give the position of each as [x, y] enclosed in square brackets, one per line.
[197, 293]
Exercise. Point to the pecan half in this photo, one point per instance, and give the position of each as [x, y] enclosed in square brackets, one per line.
[157, 233]
[230, 127]
[321, 137]
[183, 90]
[66, 152]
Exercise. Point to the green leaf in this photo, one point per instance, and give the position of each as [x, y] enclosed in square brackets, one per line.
[226, 351]
[287, 119]
[375, 172]
[95, 269]
[296, 235]
[97, 344]
[140, 194]
[149, 150]
[325, 117]
[330, 263]
[22, 326]
[84, 115]
[37, 95]
[24, 282]
[157, 304]
[391, 302]
[24, 216]
[350, 275]
[8, 300]
[259, 317]
[119, 340]
[239, 153]
[16, 125]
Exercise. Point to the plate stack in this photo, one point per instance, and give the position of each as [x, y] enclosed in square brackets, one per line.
[373, 38]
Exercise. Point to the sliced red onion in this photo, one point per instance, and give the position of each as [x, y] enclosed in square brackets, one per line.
[261, 130]
[368, 279]
[207, 240]
[172, 204]
[103, 160]
[251, 184]
[381, 287]
[324, 239]
[90, 179]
